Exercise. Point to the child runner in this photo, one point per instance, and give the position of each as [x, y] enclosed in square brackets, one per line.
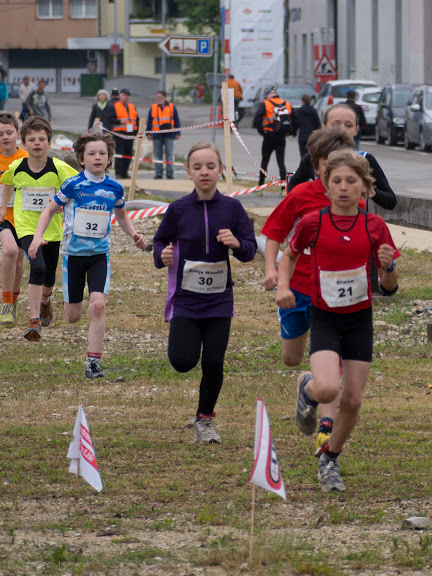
[343, 116]
[194, 240]
[36, 179]
[88, 201]
[342, 239]
[12, 266]
[304, 199]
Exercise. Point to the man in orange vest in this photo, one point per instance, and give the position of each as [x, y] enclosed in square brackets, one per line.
[238, 96]
[124, 120]
[274, 121]
[163, 116]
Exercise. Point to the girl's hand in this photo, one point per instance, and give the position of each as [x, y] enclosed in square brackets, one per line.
[228, 239]
[385, 255]
[167, 255]
[35, 245]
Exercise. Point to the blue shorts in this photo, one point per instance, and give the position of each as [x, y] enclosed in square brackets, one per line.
[295, 321]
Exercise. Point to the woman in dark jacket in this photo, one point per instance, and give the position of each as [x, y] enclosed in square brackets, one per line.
[307, 120]
[100, 110]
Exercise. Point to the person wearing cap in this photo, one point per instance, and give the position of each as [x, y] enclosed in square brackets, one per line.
[124, 119]
[163, 115]
[115, 94]
[100, 110]
[273, 120]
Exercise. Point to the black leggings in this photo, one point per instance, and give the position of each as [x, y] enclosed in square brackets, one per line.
[273, 142]
[184, 348]
[43, 267]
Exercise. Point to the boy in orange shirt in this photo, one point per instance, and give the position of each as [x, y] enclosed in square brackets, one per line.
[13, 256]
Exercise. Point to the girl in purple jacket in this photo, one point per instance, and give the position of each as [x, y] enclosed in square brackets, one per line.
[194, 240]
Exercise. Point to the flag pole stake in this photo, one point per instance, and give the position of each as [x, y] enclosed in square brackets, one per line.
[252, 526]
[78, 467]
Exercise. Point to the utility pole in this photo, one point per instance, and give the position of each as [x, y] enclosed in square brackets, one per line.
[115, 40]
[163, 61]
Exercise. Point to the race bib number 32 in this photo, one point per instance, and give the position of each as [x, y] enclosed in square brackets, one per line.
[91, 223]
[205, 277]
[36, 199]
[345, 287]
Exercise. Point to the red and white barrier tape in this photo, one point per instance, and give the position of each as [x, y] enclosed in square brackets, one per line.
[148, 212]
[171, 130]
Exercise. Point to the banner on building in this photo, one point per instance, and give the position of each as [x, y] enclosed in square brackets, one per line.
[256, 44]
[16, 75]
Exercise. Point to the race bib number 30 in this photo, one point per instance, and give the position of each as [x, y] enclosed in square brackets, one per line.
[345, 287]
[91, 223]
[205, 277]
[36, 199]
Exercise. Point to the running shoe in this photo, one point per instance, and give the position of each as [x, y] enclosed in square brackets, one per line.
[204, 431]
[7, 316]
[306, 414]
[46, 313]
[93, 368]
[322, 441]
[33, 332]
[329, 475]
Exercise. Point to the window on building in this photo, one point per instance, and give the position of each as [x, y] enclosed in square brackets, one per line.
[50, 8]
[83, 8]
[152, 9]
[172, 66]
[375, 54]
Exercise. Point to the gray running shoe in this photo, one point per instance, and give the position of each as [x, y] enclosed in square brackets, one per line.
[329, 475]
[306, 415]
[204, 431]
[33, 332]
[46, 314]
[93, 368]
[7, 315]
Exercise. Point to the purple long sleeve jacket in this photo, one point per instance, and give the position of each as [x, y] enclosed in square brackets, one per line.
[192, 226]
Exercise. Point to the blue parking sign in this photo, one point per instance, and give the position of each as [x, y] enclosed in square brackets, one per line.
[204, 46]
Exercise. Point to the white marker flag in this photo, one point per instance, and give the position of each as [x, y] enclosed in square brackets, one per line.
[265, 473]
[82, 454]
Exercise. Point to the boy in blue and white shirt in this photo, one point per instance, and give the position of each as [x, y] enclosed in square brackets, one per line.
[88, 200]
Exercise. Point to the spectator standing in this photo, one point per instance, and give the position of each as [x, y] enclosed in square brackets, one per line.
[38, 102]
[3, 91]
[238, 97]
[25, 89]
[101, 110]
[306, 120]
[360, 115]
[115, 95]
[163, 115]
[124, 119]
[273, 120]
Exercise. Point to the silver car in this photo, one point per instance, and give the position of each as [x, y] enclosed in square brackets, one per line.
[418, 119]
[368, 100]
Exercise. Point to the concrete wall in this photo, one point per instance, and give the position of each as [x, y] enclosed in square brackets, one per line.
[410, 211]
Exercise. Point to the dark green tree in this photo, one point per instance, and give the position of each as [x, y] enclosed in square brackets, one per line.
[202, 17]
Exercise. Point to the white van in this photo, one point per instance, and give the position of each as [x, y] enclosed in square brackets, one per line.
[335, 91]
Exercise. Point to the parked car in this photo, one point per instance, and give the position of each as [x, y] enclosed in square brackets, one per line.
[335, 91]
[418, 119]
[390, 119]
[289, 92]
[13, 88]
[368, 100]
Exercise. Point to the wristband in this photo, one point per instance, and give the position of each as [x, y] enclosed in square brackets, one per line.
[392, 267]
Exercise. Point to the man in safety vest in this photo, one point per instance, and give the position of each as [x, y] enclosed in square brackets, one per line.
[124, 121]
[163, 116]
[274, 121]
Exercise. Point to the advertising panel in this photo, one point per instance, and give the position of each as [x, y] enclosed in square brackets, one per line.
[16, 75]
[257, 44]
[71, 80]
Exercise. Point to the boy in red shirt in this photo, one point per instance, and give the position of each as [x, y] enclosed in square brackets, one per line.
[342, 239]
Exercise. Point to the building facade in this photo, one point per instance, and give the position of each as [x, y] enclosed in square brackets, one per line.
[387, 41]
